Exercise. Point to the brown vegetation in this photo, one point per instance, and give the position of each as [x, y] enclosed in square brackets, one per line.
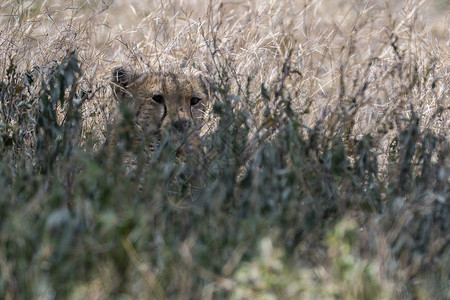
[323, 171]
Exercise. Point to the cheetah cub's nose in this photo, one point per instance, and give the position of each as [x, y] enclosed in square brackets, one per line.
[181, 125]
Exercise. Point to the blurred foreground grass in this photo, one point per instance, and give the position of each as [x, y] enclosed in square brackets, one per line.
[324, 170]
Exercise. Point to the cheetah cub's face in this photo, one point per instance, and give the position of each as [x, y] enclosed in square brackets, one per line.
[163, 101]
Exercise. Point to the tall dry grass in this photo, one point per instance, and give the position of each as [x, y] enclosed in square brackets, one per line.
[325, 163]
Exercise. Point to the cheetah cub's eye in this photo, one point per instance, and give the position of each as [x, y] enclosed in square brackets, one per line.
[158, 99]
[195, 101]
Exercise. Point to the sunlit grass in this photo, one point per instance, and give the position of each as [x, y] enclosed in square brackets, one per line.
[323, 170]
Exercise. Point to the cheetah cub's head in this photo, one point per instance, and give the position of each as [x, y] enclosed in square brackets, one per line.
[163, 102]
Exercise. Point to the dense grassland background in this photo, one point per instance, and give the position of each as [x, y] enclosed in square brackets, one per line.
[324, 170]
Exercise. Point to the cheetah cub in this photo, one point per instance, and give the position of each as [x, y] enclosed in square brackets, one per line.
[161, 103]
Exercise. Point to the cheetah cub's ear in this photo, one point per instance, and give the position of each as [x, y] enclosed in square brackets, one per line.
[121, 80]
